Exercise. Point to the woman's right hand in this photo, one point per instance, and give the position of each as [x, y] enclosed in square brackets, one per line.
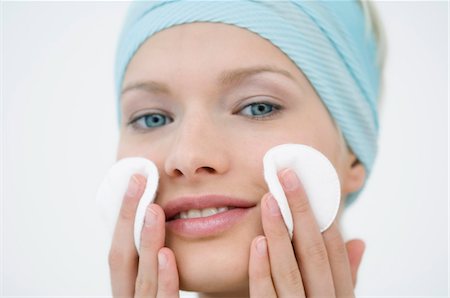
[153, 273]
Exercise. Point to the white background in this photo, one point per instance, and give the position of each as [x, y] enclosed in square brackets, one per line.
[59, 137]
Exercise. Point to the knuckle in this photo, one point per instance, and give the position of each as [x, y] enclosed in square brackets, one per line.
[335, 243]
[144, 285]
[340, 251]
[292, 277]
[116, 258]
[278, 232]
[338, 248]
[147, 241]
[317, 253]
[164, 286]
[258, 275]
[127, 212]
[146, 244]
[300, 206]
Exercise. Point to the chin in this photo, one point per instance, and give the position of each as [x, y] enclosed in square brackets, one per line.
[215, 278]
[216, 264]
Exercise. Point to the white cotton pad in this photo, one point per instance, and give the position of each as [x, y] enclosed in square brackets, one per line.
[317, 175]
[112, 190]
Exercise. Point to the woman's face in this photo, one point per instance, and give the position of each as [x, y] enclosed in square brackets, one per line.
[205, 102]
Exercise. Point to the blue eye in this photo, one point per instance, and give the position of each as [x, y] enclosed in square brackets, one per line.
[151, 121]
[260, 109]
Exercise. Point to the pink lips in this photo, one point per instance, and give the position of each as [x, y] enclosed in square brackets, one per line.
[205, 226]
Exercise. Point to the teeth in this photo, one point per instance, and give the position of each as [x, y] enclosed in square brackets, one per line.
[195, 213]
[223, 209]
[209, 211]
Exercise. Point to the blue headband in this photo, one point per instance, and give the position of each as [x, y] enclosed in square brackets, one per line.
[327, 40]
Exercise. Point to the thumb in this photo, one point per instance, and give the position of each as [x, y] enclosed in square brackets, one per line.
[355, 250]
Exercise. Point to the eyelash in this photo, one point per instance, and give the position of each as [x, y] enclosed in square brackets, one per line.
[134, 121]
[275, 109]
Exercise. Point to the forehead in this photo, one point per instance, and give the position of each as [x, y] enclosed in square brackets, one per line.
[205, 49]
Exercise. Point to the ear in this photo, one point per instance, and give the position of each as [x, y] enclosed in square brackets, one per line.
[354, 174]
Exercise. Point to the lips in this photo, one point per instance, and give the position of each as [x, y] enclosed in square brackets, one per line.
[200, 216]
[185, 204]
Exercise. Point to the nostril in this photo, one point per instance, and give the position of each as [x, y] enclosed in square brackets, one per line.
[178, 173]
[209, 170]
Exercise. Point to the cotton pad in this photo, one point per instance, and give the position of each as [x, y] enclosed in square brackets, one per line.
[112, 190]
[317, 175]
[315, 171]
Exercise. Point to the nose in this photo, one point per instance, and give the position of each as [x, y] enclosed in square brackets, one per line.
[197, 149]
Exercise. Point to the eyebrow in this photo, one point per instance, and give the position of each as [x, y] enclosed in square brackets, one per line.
[150, 86]
[235, 76]
[227, 78]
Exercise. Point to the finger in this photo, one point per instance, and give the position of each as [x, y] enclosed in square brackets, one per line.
[122, 258]
[338, 258]
[152, 240]
[355, 249]
[308, 243]
[283, 264]
[168, 283]
[259, 270]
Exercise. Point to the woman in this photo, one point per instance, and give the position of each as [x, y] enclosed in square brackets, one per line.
[205, 89]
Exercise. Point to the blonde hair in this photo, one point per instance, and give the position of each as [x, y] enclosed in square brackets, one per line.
[373, 23]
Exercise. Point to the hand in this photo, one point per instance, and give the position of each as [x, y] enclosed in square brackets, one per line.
[313, 264]
[154, 272]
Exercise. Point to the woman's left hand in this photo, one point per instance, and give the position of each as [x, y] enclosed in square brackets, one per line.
[313, 264]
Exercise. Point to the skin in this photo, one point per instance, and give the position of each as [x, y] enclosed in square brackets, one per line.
[204, 78]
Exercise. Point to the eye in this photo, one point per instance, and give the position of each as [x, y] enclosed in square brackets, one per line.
[260, 109]
[150, 121]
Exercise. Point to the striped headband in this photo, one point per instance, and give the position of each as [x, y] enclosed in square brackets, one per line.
[327, 40]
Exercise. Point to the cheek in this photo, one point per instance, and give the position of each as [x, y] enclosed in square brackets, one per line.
[142, 146]
[248, 153]
[128, 146]
[124, 148]
[325, 137]
[319, 132]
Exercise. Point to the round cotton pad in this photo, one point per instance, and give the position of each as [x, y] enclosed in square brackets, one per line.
[318, 177]
[112, 190]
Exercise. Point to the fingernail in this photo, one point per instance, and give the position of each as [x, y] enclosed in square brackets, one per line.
[162, 260]
[261, 246]
[133, 186]
[150, 217]
[272, 205]
[289, 180]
